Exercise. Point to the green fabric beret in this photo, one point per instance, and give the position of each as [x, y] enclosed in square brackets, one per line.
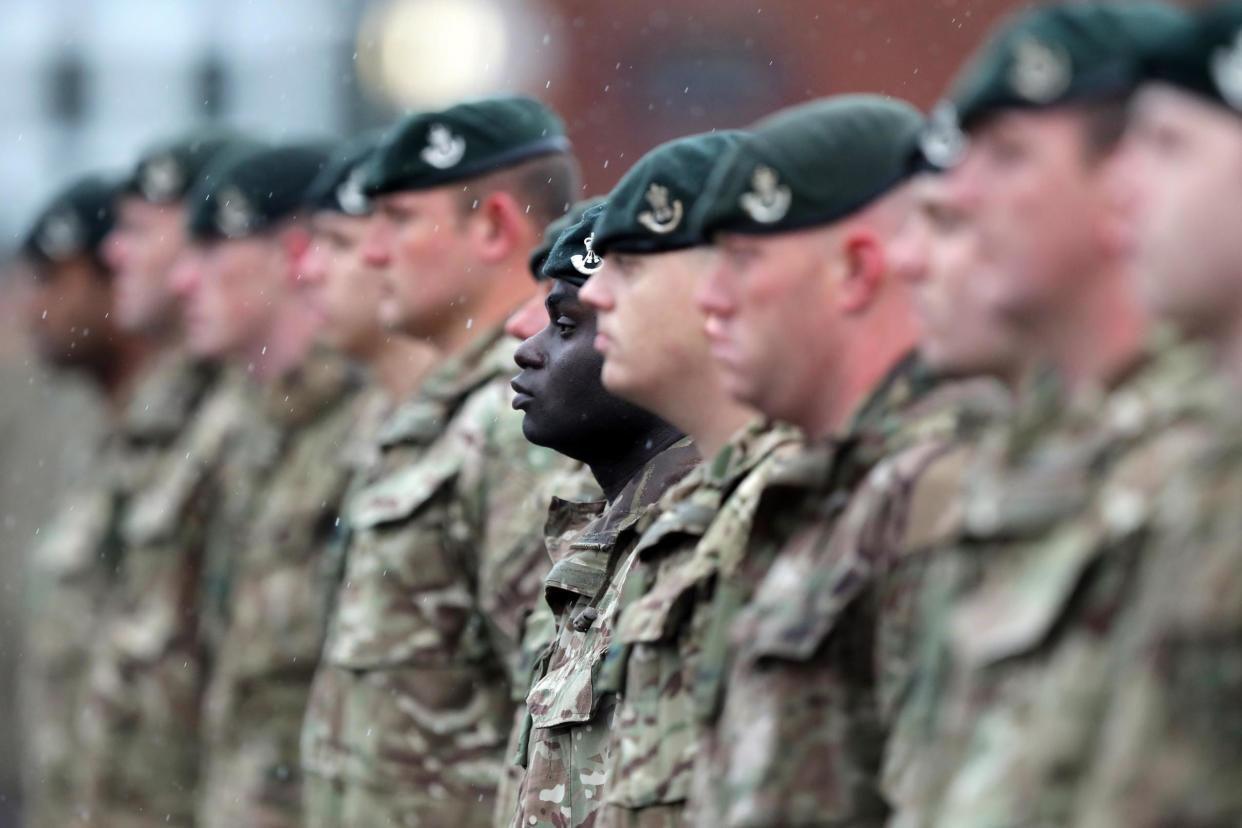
[75, 221]
[553, 232]
[573, 258]
[471, 139]
[650, 208]
[246, 192]
[811, 165]
[338, 187]
[1205, 56]
[166, 173]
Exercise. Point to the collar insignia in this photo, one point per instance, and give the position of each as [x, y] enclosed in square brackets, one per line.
[768, 200]
[1226, 69]
[349, 194]
[62, 235]
[663, 217]
[234, 214]
[943, 143]
[161, 179]
[1040, 73]
[589, 262]
[444, 149]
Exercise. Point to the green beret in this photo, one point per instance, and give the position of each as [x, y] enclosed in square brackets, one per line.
[573, 258]
[74, 223]
[1050, 56]
[553, 232]
[471, 139]
[1205, 56]
[338, 187]
[166, 173]
[811, 165]
[249, 191]
[650, 208]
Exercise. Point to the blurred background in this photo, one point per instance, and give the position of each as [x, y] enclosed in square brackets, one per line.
[89, 83]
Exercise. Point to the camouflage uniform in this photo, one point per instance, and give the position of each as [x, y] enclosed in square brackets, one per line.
[701, 530]
[567, 730]
[75, 576]
[577, 485]
[1020, 609]
[411, 702]
[815, 620]
[277, 608]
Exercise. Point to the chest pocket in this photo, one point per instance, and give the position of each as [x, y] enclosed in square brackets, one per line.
[567, 693]
[655, 727]
[408, 594]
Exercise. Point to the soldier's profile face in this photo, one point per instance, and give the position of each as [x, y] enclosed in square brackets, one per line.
[231, 303]
[68, 311]
[418, 241]
[769, 303]
[142, 250]
[1183, 168]
[650, 332]
[342, 290]
[937, 252]
[559, 388]
[1042, 202]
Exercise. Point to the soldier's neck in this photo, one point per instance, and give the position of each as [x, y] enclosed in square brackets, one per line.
[614, 472]
[289, 340]
[507, 289]
[399, 365]
[118, 375]
[853, 378]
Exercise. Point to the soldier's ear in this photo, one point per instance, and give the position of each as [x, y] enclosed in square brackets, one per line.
[862, 269]
[295, 242]
[500, 228]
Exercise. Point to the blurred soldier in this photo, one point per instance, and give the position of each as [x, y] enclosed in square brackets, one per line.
[1169, 745]
[804, 649]
[632, 757]
[635, 458]
[1040, 560]
[245, 298]
[70, 314]
[411, 703]
[573, 485]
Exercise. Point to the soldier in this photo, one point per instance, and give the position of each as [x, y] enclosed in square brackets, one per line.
[656, 354]
[151, 668]
[73, 327]
[1167, 752]
[567, 727]
[806, 644]
[411, 702]
[1040, 566]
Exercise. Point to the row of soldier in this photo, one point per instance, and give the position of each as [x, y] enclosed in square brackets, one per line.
[860, 468]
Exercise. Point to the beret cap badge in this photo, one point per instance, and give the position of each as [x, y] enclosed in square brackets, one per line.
[444, 149]
[1226, 69]
[768, 200]
[62, 235]
[943, 143]
[1040, 72]
[588, 262]
[234, 214]
[663, 217]
[350, 195]
[162, 179]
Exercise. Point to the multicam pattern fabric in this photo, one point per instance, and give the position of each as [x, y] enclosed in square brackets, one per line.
[702, 528]
[77, 577]
[277, 616]
[411, 703]
[800, 728]
[1031, 588]
[566, 739]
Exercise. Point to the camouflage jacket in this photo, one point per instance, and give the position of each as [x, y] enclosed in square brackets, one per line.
[273, 633]
[76, 573]
[412, 696]
[1022, 602]
[569, 716]
[801, 727]
[702, 527]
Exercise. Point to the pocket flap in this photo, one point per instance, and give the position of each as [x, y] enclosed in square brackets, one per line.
[565, 695]
[661, 612]
[398, 496]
